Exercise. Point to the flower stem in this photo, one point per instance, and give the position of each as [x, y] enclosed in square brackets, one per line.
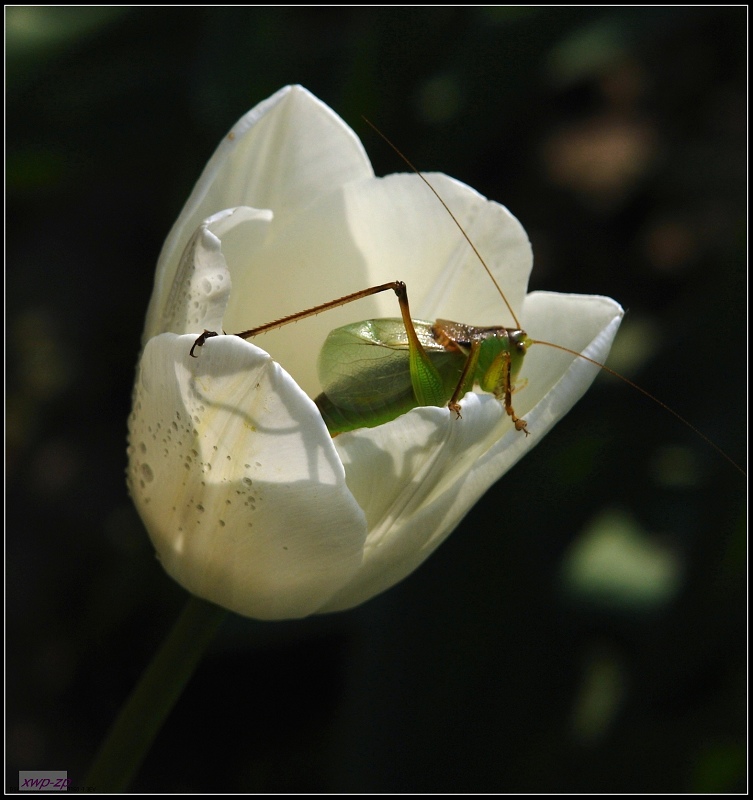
[151, 701]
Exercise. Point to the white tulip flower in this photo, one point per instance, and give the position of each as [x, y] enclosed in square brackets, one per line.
[249, 501]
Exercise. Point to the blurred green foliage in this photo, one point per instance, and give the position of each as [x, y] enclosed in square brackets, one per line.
[618, 137]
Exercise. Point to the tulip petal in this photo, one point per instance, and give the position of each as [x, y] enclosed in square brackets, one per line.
[237, 480]
[404, 233]
[575, 321]
[201, 290]
[281, 155]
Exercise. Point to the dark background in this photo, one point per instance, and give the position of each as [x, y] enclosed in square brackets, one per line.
[618, 138]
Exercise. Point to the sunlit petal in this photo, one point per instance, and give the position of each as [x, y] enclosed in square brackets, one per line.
[238, 481]
[281, 155]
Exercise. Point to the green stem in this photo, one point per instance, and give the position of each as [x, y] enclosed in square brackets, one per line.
[151, 701]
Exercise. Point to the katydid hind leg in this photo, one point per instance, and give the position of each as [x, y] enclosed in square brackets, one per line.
[394, 286]
[428, 386]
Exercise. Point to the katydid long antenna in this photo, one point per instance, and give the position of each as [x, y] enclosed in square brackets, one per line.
[454, 218]
[538, 341]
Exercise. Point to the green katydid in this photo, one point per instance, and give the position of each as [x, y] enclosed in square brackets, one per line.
[375, 370]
